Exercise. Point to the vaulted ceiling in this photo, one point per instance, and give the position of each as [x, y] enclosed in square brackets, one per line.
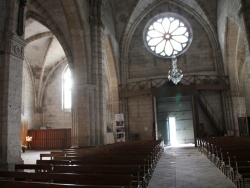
[43, 50]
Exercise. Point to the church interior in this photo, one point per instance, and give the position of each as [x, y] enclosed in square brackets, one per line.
[148, 74]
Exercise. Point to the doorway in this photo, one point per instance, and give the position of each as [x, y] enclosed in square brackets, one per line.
[172, 131]
[175, 120]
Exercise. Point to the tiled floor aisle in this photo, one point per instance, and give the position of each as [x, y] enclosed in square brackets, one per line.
[185, 167]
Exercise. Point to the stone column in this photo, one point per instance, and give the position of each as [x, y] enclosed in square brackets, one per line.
[239, 105]
[124, 70]
[227, 110]
[124, 101]
[98, 72]
[86, 108]
[245, 7]
[74, 112]
[195, 116]
[11, 66]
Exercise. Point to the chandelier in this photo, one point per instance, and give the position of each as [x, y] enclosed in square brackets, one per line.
[175, 74]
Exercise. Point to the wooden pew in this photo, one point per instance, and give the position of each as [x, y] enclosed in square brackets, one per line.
[34, 167]
[29, 184]
[70, 178]
[145, 154]
[51, 156]
[134, 170]
[53, 162]
[233, 155]
[147, 169]
[113, 161]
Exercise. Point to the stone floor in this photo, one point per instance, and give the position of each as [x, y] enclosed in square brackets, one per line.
[185, 167]
[179, 167]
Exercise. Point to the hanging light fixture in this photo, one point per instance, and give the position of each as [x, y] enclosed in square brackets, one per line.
[175, 74]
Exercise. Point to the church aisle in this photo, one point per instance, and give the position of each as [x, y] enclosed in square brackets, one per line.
[185, 167]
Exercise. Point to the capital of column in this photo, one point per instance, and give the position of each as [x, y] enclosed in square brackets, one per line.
[13, 44]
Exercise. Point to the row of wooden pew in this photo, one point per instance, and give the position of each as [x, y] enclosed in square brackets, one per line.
[127, 164]
[231, 155]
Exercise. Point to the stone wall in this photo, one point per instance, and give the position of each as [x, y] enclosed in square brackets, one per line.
[140, 117]
[3, 6]
[197, 59]
[214, 98]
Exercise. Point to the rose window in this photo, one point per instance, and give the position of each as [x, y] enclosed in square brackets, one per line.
[168, 35]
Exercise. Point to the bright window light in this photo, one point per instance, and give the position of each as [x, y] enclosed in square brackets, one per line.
[172, 126]
[67, 89]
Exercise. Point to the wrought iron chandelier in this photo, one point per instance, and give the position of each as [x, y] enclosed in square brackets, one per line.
[175, 74]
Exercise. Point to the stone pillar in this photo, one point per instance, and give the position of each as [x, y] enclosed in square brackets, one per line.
[124, 101]
[11, 67]
[245, 7]
[86, 108]
[98, 72]
[74, 112]
[102, 127]
[195, 116]
[239, 105]
[227, 110]
[124, 70]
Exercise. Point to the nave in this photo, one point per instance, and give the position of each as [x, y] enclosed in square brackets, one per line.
[178, 167]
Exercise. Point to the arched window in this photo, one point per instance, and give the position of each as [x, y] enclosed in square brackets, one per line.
[66, 97]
